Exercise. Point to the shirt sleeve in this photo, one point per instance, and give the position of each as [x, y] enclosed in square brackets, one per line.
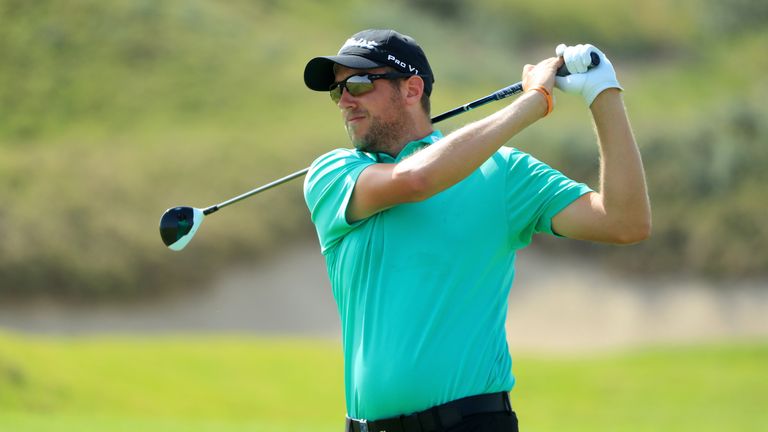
[535, 193]
[327, 190]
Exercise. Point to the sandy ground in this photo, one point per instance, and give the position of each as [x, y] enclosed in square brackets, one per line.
[577, 305]
[573, 305]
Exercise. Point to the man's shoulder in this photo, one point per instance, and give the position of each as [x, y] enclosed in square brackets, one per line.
[512, 153]
[517, 159]
[340, 155]
[335, 164]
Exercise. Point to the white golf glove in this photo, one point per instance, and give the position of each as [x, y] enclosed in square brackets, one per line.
[587, 82]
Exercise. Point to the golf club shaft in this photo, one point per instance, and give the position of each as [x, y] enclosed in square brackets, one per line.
[497, 95]
[269, 185]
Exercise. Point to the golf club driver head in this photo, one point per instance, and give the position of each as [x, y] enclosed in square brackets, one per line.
[178, 225]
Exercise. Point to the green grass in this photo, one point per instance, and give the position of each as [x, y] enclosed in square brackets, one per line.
[209, 383]
[168, 383]
[709, 388]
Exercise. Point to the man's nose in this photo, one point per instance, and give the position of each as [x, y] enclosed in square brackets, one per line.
[346, 99]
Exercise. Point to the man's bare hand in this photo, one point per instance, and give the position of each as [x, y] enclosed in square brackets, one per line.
[541, 74]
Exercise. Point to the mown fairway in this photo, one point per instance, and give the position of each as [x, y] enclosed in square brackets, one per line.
[211, 383]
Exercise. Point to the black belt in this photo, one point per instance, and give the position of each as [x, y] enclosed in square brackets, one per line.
[436, 418]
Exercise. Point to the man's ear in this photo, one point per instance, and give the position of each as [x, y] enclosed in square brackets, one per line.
[414, 88]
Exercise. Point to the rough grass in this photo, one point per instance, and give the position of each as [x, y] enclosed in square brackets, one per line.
[207, 383]
[166, 383]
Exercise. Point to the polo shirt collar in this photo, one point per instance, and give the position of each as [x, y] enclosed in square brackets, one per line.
[409, 149]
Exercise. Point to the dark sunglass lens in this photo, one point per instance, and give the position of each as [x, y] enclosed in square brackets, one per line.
[336, 93]
[357, 89]
[358, 85]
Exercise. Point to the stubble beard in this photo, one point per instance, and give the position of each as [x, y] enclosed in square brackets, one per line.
[383, 135]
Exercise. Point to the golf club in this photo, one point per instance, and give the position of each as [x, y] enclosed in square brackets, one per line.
[179, 224]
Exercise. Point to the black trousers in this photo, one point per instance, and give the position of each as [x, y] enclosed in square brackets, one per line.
[491, 422]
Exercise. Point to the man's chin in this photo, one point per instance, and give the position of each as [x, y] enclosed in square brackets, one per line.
[359, 142]
[362, 146]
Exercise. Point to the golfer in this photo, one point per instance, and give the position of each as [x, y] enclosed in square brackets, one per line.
[419, 229]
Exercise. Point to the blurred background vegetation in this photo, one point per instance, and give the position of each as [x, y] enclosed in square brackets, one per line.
[111, 112]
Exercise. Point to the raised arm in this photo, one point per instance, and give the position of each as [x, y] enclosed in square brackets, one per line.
[445, 163]
[620, 212]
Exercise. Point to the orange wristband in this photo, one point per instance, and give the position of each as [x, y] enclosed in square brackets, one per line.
[547, 95]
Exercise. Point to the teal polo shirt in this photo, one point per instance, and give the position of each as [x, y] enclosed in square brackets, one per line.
[422, 288]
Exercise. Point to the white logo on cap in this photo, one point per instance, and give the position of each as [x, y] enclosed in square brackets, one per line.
[402, 64]
[362, 43]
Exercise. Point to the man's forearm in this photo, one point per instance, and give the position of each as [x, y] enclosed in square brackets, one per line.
[453, 158]
[622, 178]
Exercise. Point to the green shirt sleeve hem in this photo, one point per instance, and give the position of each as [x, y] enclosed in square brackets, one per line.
[559, 204]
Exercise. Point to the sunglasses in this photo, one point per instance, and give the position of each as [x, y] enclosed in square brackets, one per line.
[357, 85]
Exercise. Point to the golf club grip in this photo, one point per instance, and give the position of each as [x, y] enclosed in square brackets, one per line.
[563, 70]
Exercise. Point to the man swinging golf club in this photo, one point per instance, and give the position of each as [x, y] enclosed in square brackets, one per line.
[420, 230]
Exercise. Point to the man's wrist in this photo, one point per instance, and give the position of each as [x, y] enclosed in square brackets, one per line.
[606, 96]
[543, 99]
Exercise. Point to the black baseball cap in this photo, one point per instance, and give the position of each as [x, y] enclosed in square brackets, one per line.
[370, 49]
